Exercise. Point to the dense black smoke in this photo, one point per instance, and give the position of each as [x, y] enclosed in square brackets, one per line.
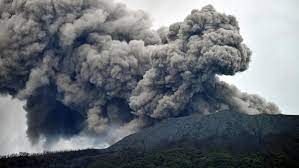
[94, 66]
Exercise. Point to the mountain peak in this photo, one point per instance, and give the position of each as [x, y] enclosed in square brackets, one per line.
[225, 126]
[223, 139]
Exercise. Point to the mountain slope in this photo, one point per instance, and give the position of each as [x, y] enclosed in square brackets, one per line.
[223, 139]
[231, 129]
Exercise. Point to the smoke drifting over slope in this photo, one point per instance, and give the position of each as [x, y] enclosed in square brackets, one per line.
[92, 66]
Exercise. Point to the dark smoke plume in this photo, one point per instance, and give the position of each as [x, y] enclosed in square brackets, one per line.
[94, 66]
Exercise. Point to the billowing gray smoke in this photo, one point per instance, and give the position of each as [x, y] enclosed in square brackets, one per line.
[93, 66]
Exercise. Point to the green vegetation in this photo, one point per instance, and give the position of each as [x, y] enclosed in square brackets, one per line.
[177, 157]
[192, 158]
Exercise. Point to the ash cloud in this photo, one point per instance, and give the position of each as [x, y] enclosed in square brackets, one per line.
[94, 66]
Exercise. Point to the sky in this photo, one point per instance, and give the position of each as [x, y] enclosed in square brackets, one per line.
[269, 28]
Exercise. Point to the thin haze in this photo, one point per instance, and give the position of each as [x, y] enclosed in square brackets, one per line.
[273, 60]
